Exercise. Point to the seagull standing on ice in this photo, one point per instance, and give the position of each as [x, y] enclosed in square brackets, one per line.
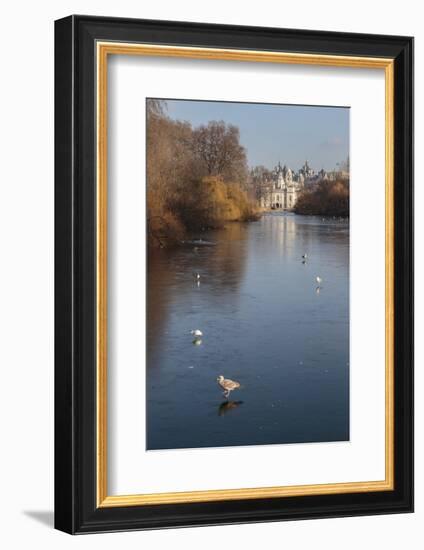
[227, 385]
[318, 280]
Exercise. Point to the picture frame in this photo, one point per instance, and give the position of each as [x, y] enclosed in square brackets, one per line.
[83, 45]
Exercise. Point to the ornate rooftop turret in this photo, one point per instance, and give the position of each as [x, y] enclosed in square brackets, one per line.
[289, 176]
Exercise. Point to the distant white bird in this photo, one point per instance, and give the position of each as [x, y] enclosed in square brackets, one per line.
[197, 276]
[227, 385]
[197, 333]
[318, 280]
[304, 256]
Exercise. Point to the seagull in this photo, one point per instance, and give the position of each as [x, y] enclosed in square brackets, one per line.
[197, 333]
[304, 256]
[227, 385]
[318, 280]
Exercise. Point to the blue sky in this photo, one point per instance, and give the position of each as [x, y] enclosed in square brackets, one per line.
[271, 133]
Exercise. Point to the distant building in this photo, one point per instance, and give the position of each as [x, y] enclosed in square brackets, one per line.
[338, 174]
[306, 171]
[285, 186]
[282, 190]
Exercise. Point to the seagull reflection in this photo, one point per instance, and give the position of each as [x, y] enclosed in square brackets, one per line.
[226, 406]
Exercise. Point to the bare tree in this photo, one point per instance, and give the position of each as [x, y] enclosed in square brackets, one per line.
[156, 107]
[217, 145]
[260, 179]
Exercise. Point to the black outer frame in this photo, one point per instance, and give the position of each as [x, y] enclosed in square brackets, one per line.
[75, 275]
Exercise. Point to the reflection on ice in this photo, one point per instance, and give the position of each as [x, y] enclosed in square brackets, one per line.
[227, 406]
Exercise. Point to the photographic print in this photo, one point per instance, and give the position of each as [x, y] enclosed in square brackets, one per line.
[248, 274]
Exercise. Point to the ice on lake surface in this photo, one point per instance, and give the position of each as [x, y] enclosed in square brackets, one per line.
[264, 323]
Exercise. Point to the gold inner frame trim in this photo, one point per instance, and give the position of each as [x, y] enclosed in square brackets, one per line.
[103, 50]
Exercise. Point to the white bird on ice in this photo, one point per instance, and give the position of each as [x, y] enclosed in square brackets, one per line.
[318, 280]
[227, 385]
[197, 333]
[304, 256]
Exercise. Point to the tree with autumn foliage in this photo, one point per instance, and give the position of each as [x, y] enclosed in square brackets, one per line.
[196, 178]
[328, 198]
